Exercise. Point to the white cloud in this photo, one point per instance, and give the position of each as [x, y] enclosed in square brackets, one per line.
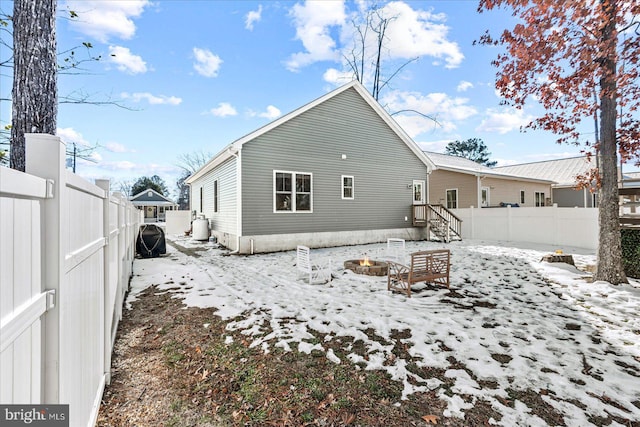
[464, 85]
[271, 113]
[71, 136]
[224, 109]
[327, 34]
[434, 146]
[105, 19]
[439, 106]
[413, 32]
[313, 22]
[253, 17]
[126, 61]
[152, 99]
[116, 147]
[207, 63]
[337, 77]
[503, 121]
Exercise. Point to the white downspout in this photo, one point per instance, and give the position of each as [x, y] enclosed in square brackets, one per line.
[479, 190]
[237, 155]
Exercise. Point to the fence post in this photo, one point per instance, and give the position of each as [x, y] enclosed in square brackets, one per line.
[45, 157]
[108, 314]
[509, 225]
[556, 225]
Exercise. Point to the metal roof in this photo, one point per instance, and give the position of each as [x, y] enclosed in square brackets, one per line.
[464, 165]
[561, 171]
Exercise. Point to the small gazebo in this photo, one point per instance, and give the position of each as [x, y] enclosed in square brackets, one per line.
[153, 204]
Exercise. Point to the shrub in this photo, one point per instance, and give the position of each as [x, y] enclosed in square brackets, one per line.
[631, 252]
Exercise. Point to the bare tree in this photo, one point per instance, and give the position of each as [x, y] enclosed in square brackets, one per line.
[190, 163]
[35, 88]
[370, 51]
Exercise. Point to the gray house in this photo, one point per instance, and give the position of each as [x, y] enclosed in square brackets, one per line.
[153, 204]
[563, 172]
[336, 171]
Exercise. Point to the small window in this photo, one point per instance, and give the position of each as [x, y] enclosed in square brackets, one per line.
[452, 198]
[347, 187]
[292, 192]
[149, 194]
[201, 199]
[539, 198]
[522, 197]
[215, 195]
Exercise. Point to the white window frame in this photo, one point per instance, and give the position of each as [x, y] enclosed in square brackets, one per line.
[293, 193]
[538, 197]
[522, 197]
[344, 187]
[446, 197]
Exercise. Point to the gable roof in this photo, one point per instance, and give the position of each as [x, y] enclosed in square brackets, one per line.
[562, 171]
[464, 165]
[154, 198]
[233, 148]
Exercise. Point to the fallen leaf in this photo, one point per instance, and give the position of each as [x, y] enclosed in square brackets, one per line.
[348, 418]
[431, 419]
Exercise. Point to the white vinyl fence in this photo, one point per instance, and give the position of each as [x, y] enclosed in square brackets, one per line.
[577, 227]
[66, 253]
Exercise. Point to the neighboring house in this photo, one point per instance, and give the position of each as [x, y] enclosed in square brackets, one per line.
[458, 182]
[563, 173]
[153, 204]
[336, 171]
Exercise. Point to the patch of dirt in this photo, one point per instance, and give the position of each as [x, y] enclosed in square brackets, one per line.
[178, 366]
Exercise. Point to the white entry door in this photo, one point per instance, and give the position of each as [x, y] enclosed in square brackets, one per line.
[419, 197]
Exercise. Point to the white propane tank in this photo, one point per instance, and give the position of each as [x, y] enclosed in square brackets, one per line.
[200, 229]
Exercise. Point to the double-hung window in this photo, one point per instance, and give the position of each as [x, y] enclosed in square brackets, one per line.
[347, 187]
[292, 191]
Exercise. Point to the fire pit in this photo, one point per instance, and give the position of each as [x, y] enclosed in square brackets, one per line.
[367, 266]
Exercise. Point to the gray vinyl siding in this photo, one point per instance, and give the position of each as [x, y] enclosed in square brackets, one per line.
[382, 165]
[570, 197]
[225, 220]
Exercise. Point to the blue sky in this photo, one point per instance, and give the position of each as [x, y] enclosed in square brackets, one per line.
[197, 75]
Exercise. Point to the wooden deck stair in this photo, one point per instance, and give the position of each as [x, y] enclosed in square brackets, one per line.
[441, 223]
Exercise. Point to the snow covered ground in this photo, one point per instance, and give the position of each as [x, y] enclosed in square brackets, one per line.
[514, 322]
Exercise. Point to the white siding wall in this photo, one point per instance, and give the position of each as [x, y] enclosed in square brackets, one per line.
[225, 221]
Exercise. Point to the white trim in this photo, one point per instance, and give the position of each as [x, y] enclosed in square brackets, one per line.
[446, 198]
[294, 174]
[234, 147]
[522, 197]
[353, 187]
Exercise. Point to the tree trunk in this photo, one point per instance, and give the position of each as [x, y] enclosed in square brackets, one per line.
[610, 266]
[35, 92]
